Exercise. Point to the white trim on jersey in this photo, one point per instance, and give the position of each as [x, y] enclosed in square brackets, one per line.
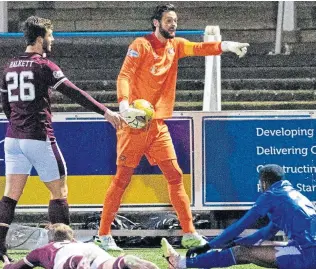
[70, 263]
[3, 90]
[59, 82]
[27, 262]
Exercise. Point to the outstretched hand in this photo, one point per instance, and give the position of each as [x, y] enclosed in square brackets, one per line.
[6, 260]
[115, 119]
[192, 252]
[239, 49]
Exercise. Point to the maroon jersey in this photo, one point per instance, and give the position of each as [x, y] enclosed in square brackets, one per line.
[26, 87]
[61, 255]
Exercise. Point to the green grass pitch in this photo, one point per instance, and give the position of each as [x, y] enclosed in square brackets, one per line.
[151, 254]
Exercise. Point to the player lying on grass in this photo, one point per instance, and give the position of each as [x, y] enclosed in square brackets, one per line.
[288, 210]
[63, 252]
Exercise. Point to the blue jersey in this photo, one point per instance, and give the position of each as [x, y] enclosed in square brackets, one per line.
[288, 210]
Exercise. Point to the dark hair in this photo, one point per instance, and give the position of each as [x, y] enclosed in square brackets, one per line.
[159, 10]
[271, 173]
[59, 232]
[34, 27]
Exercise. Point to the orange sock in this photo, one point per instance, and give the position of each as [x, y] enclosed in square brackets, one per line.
[181, 204]
[113, 198]
[178, 196]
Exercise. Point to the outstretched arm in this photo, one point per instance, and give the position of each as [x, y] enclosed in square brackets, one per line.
[235, 229]
[87, 101]
[30, 261]
[70, 90]
[258, 237]
[188, 48]
[222, 240]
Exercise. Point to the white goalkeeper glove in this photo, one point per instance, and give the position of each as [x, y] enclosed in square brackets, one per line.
[128, 113]
[238, 48]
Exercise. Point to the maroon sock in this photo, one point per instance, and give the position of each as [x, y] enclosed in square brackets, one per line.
[7, 208]
[58, 211]
[119, 263]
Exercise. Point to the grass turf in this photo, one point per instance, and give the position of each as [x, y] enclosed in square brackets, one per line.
[151, 254]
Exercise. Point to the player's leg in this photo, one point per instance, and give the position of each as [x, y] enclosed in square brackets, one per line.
[130, 148]
[282, 257]
[58, 209]
[260, 255]
[128, 261]
[212, 259]
[111, 205]
[163, 153]
[181, 202]
[18, 168]
[50, 165]
[265, 256]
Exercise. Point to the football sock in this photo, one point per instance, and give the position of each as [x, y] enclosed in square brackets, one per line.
[58, 211]
[177, 194]
[113, 198]
[181, 203]
[111, 205]
[7, 208]
[212, 259]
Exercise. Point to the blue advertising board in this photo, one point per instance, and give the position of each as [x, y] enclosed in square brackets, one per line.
[234, 149]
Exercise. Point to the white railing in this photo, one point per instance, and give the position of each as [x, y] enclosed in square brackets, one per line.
[212, 87]
[3, 16]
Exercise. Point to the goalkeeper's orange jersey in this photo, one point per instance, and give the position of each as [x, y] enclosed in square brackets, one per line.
[150, 70]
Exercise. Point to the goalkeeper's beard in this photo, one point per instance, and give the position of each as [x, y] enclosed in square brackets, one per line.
[165, 33]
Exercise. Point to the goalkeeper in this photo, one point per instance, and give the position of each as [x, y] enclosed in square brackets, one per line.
[150, 72]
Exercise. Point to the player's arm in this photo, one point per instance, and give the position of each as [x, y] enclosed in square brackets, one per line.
[30, 261]
[135, 55]
[56, 79]
[261, 207]
[188, 48]
[235, 229]
[258, 237]
[4, 99]
[84, 99]
[230, 233]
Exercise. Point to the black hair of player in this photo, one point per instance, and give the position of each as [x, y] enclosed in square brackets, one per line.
[271, 173]
[34, 27]
[158, 13]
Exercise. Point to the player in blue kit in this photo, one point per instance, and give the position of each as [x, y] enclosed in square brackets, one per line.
[26, 87]
[288, 211]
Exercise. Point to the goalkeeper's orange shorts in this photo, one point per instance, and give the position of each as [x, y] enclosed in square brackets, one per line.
[154, 141]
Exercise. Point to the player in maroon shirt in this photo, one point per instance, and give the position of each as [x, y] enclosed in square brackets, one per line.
[65, 253]
[26, 87]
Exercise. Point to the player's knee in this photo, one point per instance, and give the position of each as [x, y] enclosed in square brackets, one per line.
[172, 172]
[241, 254]
[61, 193]
[123, 176]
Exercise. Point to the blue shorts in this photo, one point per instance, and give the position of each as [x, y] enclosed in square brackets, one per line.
[296, 257]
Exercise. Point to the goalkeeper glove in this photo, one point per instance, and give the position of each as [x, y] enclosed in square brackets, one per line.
[238, 48]
[130, 114]
[192, 252]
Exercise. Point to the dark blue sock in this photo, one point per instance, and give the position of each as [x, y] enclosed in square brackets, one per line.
[212, 259]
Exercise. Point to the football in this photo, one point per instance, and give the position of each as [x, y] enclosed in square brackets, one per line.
[140, 122]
